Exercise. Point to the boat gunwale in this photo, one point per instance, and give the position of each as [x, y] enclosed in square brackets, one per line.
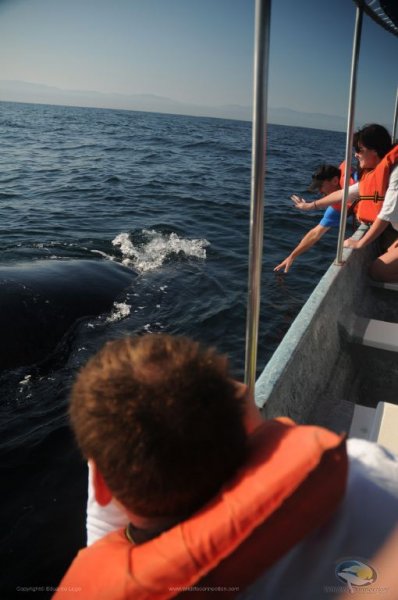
[284, 355]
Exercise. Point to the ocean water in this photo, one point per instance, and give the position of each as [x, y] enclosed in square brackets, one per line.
[140, 221]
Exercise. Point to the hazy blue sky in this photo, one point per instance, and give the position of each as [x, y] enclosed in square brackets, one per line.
[200, 51]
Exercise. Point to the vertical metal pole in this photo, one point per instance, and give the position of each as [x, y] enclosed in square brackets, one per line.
[394, 123]
[260, 94]
[350, 129]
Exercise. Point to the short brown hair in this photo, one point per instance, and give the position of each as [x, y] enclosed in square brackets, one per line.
[160, 417]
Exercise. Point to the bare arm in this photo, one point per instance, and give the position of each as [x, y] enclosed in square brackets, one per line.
[332, 198]
[373, 233]
[306, 243]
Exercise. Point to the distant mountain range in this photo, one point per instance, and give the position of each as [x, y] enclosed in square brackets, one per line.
[22, 91]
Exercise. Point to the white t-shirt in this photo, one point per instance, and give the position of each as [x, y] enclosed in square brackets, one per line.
[101, 520]
[389, 210]
[366, 517]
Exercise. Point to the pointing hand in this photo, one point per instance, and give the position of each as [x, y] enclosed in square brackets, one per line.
[285, 265]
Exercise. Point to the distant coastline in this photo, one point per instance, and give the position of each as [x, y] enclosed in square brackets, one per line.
[33, 93]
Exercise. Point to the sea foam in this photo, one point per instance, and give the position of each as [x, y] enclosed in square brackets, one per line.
[151, 253]
[120, 310]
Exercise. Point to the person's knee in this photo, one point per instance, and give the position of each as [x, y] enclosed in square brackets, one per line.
[384, 269]
[377, 270]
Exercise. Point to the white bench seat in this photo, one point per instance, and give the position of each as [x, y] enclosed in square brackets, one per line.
[384, 285]
[377, 425]
[374, 333]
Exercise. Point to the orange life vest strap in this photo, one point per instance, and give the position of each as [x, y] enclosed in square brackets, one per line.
[375, 198]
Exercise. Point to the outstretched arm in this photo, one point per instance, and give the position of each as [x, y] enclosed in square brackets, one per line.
[306, 243]
[332, 198]
[373, 233]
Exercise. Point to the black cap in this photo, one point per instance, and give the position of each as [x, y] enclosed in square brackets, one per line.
[321, 174]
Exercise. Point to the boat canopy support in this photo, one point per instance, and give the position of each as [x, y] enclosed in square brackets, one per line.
[259, 131]
[383, 12]
[350, 128]
[395, 119]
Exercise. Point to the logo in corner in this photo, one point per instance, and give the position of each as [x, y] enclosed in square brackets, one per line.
[355, 573]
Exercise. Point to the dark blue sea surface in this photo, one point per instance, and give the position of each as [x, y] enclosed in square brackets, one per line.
[167, 198]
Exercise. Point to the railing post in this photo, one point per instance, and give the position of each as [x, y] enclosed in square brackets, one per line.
[394, 123]
[350, 129]
[260, 94]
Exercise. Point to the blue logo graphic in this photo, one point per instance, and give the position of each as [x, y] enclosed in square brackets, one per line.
[355, 573]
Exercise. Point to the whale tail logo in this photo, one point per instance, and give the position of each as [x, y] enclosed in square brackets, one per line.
[355, 573]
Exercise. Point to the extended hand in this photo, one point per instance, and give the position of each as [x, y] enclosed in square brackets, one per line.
[300, 203]
[285, 265]
[350, 243]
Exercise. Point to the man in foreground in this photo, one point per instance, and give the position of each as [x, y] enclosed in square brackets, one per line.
[215, 498]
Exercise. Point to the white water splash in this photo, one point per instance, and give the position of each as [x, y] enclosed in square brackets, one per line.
[120, 310]
[103, 254]
[25, 380]
[151, 254]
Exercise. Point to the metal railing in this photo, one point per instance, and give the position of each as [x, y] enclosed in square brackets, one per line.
[260, 88]
[394, 121]
[260, 94]
[350, 128]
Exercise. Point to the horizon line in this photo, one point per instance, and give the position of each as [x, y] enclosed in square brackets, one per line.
[172, 114]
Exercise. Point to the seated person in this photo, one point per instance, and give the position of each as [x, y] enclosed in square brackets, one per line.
[376, 197]
[325, 180]
[214, 497]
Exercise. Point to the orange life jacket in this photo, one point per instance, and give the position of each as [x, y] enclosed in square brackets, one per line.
[337, 205]
[373, 186]
[291, 484]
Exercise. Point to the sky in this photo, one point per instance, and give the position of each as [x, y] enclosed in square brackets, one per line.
[200, 52]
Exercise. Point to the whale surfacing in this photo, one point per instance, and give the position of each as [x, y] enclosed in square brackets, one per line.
[40, 302]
